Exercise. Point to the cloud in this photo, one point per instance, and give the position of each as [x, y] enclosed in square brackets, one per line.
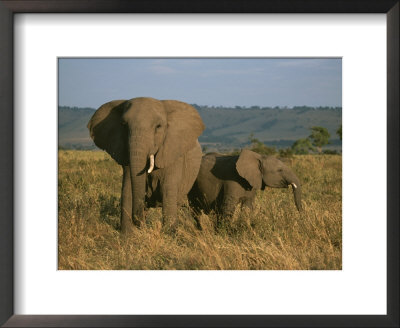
[306, 63]
[221, 72]
[321, 63]
[162, 69]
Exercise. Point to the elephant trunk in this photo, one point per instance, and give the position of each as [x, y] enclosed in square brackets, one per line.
[296, 187]
[138, 161]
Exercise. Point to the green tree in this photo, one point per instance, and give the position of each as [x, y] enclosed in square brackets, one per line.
[259, 147]
[319, 137]
[287, 152]
[330, 152]
[302, 146]
[339, 132]
[235, 152]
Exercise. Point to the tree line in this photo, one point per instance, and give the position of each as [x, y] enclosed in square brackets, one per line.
[314, 143]
[296, 108]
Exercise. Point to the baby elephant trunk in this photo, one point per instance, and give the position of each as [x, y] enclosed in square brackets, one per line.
[296, 187]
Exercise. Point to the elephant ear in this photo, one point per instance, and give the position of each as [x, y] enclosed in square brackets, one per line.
[108, 131]
[184, 126]
[248, 166]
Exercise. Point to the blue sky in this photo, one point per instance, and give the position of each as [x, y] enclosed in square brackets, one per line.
[227, 82]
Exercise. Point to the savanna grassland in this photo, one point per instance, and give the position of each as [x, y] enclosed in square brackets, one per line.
[274, 236]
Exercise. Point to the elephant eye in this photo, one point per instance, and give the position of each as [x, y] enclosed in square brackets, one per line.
[158, 126]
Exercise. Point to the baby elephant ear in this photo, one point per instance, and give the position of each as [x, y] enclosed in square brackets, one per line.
[108, 132]
[248, 166]
[184, 126]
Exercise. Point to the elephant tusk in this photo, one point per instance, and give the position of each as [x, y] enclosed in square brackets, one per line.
[294, 185]
[151, 164]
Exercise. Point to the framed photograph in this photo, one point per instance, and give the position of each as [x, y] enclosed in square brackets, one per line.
[242, 164]
[246, 207]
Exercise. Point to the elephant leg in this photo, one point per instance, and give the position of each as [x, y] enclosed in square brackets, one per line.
[228, 205]
[248, 202]
[171, 181]
[169, 206]
[126, 201]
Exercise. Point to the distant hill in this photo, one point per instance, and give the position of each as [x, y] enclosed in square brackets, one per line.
[226, 128]
[72, 130]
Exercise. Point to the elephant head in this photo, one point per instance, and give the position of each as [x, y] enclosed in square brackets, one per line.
[144, 133]
[260, 171]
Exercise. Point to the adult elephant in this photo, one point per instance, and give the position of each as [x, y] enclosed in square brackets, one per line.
[156, 144]
[225, 181]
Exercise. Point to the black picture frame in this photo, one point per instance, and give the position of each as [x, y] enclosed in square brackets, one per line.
[10, 7]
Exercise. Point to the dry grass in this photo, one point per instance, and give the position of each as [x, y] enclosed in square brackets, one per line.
[274, 236]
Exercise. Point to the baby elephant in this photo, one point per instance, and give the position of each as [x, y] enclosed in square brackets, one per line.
[225, 181]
